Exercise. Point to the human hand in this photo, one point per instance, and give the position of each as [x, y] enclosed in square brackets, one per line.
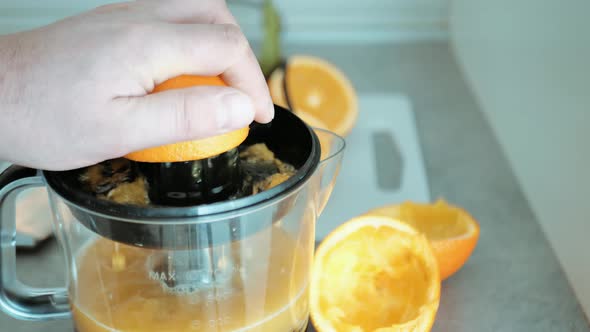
[75, 92]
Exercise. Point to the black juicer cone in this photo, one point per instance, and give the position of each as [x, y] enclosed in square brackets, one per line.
[186, 197]
[191, 183]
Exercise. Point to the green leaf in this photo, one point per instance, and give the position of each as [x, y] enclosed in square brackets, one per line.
[270, 56]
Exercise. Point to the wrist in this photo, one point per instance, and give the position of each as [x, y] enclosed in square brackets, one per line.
[9, 103]
[9, 54]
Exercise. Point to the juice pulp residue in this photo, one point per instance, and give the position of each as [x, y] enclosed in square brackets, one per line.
[119, 181]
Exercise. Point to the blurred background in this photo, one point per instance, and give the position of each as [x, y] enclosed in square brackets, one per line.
[499, 93]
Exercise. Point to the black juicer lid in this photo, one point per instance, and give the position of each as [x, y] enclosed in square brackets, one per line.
[287, 136]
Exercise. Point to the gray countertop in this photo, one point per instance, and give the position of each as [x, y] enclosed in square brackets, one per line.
[513, 281]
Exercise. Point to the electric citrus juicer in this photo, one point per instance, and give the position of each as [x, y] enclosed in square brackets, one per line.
[212, 250]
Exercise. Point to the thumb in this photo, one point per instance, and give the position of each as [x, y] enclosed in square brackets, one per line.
[183, 114]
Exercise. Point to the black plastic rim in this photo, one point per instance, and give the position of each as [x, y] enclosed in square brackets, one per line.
[64, 183]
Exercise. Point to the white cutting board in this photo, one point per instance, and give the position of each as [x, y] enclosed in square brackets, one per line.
[382, 163]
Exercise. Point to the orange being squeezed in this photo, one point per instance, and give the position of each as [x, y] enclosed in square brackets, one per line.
[119, 288]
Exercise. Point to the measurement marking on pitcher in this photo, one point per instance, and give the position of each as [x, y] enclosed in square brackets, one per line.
[198, 324]
[193, 275]
[162, 276]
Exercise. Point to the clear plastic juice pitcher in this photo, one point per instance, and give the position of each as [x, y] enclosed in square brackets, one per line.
[238, 264]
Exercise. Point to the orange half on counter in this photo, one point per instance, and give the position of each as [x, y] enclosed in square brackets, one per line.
[453, 233]
[374, 273]
[196, 149]
[317, 91]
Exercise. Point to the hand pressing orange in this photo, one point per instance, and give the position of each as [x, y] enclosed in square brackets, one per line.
[78, 91]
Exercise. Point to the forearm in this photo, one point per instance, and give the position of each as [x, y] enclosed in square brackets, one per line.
[13, 78]
[7, 55]
[9, 66]
[76, 92]
[8, 104]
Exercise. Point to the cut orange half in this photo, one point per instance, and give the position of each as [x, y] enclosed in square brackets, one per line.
[318, 88]
[196, 149]
[277, 93]
[452, 232]
[374, 274]
[312, 121]
[276, 87]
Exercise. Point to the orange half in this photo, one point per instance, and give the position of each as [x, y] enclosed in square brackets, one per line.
[275, 86]
[452, 232]
[317, 88]
[374, 274]
[196, 149]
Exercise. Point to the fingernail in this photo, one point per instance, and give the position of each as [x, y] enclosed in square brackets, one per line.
[271, 108]
[266, 112]
[239, 111]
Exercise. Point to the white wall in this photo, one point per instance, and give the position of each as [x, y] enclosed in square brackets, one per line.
[529, 64]
[304, 20]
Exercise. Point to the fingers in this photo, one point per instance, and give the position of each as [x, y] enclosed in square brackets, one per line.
[200, 49]
[166, 50]
[180, 115]
[188, 11]
[245, 74]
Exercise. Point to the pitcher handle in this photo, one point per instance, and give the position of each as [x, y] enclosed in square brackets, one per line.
[17, 299]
